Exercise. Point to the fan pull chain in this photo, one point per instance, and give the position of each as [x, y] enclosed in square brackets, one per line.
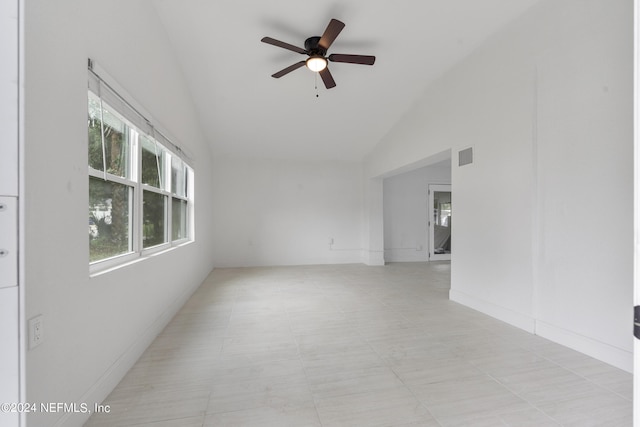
[317, 94]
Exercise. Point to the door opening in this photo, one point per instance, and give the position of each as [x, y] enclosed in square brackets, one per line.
[439, 222]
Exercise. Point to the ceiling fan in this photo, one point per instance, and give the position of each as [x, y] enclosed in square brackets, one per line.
[316, 48]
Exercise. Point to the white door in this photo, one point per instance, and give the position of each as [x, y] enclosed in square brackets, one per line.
[439, 222]
[10, 374]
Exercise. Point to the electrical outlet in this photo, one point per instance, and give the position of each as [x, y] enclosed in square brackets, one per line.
[36, 331]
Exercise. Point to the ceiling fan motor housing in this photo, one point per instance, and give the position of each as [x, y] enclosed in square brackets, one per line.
[312, 47]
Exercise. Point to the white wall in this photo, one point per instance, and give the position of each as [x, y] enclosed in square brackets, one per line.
[584, 236]
[547, 106]
[405, 201]
[283, 212]
[95, 328]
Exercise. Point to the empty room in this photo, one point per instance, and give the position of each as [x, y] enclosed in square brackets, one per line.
[355, 213]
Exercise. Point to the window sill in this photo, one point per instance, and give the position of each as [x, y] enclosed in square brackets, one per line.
[97, 269]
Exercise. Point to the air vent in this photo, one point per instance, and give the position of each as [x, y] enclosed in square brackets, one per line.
[465, 157]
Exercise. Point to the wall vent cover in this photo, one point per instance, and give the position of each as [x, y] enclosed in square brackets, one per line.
[465, 157]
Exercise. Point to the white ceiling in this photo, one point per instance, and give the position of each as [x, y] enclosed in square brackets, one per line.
[246, 112]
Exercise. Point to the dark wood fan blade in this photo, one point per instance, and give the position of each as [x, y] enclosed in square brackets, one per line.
[352, 59]
[284, 45]
[330, 34]
[327, 78]
[289, 69]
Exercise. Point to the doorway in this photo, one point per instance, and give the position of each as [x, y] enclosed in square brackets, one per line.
[439, 221]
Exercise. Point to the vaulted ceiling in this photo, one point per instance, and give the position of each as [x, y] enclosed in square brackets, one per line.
[246, 112]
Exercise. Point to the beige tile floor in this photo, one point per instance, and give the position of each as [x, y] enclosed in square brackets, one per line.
[353, 345]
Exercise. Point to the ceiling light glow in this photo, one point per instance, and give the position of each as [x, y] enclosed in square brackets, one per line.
[316, 63]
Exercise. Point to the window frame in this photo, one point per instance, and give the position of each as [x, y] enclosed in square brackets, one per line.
[137, 189]
[187, 178]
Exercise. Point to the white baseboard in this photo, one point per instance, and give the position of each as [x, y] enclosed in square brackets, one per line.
[405, 255]
[506, 315]
[621, 359]
[373, 258]
[116, 372]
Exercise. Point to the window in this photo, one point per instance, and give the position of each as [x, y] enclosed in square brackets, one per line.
[139, 196]
[152, 162]
[154, 224]
[179, 198]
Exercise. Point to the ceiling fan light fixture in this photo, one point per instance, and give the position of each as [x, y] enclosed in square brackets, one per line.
[316, 63]
[316, 48]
